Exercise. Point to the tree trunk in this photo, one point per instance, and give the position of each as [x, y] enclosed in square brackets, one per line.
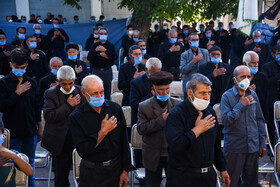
[143, 26]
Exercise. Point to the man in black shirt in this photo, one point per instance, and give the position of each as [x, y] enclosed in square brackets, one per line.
[129, 71]
[48, 20]
[5, 52]
[20, 104]
[223, 41]
[93, 38]
[156, 40]
[143, 46]
[19, 41]
[102, 56]
[208, 40]
[57, 37]
[127, 40]
[170, 54]
[42, 40]
[194, 141]
[98, 130]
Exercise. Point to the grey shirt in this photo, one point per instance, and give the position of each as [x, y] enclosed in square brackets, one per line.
[244, 127]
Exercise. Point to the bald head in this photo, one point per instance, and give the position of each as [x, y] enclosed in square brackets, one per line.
[91, 81]
[240, 70]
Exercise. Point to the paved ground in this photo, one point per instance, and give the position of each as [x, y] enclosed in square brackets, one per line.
[43, 173]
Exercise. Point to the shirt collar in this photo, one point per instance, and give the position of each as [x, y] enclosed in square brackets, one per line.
[190, 107]
[235, 92]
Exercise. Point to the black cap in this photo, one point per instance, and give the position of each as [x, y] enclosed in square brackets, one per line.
[161, 78]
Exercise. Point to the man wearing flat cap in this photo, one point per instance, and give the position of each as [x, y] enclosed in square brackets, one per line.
[152, 114]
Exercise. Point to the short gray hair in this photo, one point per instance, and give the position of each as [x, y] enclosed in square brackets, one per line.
[238, 68]
[55, 59]
[90, 78]
[153, 62]
[136, 32]
[197, 78]
[248, 56]
[66, 73]
[256, 32]
[192, 34]
[172, 31]
[36, 25]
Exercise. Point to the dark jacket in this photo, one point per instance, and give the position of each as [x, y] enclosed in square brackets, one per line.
[5, 60]
[219, 83]
[44, 84]
[56, 115]
[90, 41]
[126, 44]
[140, 90]
[44, 45]
[16, 42]
[79, 76]
[126, 74]
[21, 113]
[58, 43]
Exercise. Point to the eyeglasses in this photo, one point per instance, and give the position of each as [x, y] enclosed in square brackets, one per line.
[103, 33]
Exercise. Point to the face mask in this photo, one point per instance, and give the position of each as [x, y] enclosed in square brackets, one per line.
[56, 26]
[208, 35]
[18, 72]
[162, 97]
[95, 36]
[40, 21]
[186, 32]
[194, 44]
[144, 51]
[93, 21]
[103, 38]
[277, 58]
[257, 40]
[1, 139]
[149, 75]
[23, 21]
[32, 45]
[253, 70]
[96, 101]
[137, 60]
[201, 29]
[215, 60]
[72, 57]
[220, 28]
[76, 21]
[164, 27]
[156, 30]
[173, 40]
[244, 84]
[130, 32]
[10, 20]
[54, 72]
[200, 104]
[67, 93]
[65, 22]
[2, 42]
[37, 31]
[135, 39]
[21, 36]
[230, 26]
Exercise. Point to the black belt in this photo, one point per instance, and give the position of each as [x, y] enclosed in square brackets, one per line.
[94, 164]
[197, 170]
[102, 69]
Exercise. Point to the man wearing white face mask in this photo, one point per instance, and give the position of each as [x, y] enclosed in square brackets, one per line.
[127, 40]
[194, 141]
[244, 129]
[59, 102]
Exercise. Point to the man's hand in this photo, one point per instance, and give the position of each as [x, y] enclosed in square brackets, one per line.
[176, 48]
[137, 74]
[144, 61]
[100, 48]
[248, 42]
[39, 40]
[203, 125]
[104, 55]
[165, 114]
[78, 69]
[197, 58]
[257, 49]
[225, 179]
[54, 84]
[219, 71]
[40, 131]
[6, 153]
[3, 161]
[74, 101]
[95, 41]
[108, 125]
[7, 53]
[124, 179]
[172, 49]
[222, 34]
[21, 88]
[262, 152]
[253, 87]
[34, 56]
[247, 101]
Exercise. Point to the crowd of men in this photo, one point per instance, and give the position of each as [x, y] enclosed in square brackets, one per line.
[181, 137]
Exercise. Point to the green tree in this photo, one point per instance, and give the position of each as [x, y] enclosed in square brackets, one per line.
[146, 11]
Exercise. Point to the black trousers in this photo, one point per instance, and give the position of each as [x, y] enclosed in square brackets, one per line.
[107, 77]
[182, 178]
[100, 176]
[62, 163]
[154, 178]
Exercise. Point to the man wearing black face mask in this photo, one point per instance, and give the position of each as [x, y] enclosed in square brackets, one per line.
[194, 141]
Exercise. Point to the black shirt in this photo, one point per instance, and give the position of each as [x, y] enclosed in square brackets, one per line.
[79, 76]
[187, 151]
[44, 84]
[21, 113]
[126, 74]
[5, 60]
[169, 59]
[204, 40]
[90, 41]
[17, 43]
[126, 44]
[85, 124]
[97, 61]
[58, 43]
[44, 44]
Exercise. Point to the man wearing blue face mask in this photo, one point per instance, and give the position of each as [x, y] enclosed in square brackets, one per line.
[57, 37]
[19, 95]
[259, 47]
[129, 71]
[145, 55]
[170, 54]
[152, 115]
[5, 52]
[20, 40]
[218, 73]
[102, 55]
[42, 40]
[208, 39]
[79, 66]
[98, 130]
[192, 59]
[37, 61]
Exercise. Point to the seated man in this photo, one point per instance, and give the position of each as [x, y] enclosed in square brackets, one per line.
[129, 71]
[9, 159]
[98, 130]
[152, 114]
[79, 66]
